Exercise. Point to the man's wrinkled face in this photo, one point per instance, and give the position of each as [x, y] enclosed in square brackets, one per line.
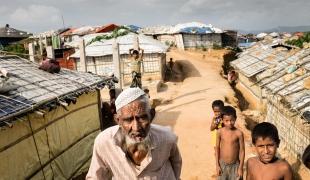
[266, 149]
[229, 121]
[135, 120]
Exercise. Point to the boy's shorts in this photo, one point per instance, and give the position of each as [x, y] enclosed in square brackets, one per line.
[229, 171]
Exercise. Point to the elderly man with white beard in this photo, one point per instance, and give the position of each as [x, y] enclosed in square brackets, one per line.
[135, 148]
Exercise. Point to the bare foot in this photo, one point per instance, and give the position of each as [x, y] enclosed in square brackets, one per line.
[214, 176]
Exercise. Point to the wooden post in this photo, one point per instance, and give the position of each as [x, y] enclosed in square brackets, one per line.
[136, 42]
[45, 41]
[82, 56]
[50, 52]
[117, 65]
[41, 45]
[31, 51]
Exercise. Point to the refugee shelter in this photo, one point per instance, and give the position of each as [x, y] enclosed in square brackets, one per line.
[186, 35]
[9, 35]
[254, 61]
[99, 57]
[277, 76]
[288, 100]
[48, 121]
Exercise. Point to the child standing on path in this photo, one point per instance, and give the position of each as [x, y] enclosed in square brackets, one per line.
[266, 165]
[229, 147]
[216, 123]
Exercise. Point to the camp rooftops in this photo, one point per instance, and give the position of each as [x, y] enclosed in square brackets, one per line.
[37, 88]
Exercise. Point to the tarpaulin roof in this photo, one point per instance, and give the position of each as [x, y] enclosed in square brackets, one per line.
[274, 34]
[196, 30]
[106, 28]
[85, 30]
[133, 28]
[87, 38]
[192, 27]
[261, 35]
[103, 48]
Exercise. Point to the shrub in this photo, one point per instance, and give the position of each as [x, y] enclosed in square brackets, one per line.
[217, 46]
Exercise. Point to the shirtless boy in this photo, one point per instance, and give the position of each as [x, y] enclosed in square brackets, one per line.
[229, 147]
[266, 165]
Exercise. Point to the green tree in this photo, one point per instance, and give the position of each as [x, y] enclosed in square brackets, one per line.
[17, 49]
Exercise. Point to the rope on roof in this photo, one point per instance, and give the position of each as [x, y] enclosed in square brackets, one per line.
[15, 53]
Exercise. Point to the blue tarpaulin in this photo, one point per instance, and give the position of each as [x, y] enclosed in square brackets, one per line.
[133, 28]
[196, 30]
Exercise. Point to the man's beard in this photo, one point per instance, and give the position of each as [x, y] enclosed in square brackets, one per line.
[143, 145]
[135, 150]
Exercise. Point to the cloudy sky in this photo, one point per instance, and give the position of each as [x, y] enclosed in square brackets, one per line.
[43, 15]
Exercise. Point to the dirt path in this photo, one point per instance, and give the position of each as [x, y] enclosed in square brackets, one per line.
[188, 111]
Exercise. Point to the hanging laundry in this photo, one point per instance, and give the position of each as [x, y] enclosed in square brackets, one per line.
[56, 42]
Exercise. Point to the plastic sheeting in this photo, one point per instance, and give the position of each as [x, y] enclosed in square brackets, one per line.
[62, 141]
[196, 30]
[191, 27]
[103, 48]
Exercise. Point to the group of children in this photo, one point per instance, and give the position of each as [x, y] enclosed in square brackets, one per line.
[230, 151]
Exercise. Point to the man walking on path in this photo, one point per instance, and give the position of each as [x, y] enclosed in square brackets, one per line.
[135, 149]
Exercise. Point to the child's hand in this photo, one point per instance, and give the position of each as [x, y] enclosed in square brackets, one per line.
[240, 172]
[218, 170]
[214, 118]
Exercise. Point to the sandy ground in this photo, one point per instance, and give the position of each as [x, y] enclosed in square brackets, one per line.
[187, 109]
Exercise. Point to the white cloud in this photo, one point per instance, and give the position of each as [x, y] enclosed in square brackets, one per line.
[35, 14]
[3, 9]
[191, 5]
[243, 14]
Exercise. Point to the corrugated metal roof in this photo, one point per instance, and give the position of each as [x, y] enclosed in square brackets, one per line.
[36, 87]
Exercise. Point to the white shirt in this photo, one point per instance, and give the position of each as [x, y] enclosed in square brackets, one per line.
[163, 162]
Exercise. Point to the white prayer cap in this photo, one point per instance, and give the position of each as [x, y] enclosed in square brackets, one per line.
[128, 96]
